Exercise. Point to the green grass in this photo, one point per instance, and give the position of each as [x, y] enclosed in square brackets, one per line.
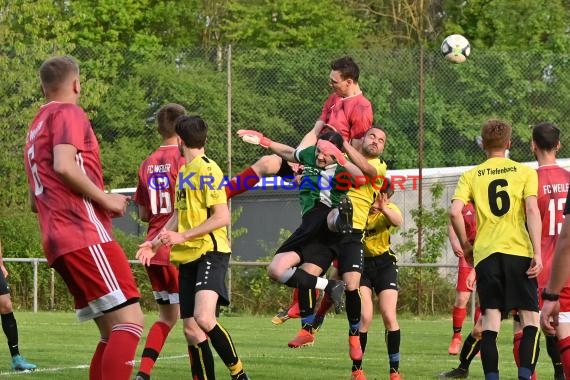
[62, 348]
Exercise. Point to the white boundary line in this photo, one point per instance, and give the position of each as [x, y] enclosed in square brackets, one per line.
[79, 366]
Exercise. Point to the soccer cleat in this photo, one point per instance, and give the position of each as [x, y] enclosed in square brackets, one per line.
[317, 323]
[303, 338]
[21, 364]
[455, 373]
[354, 348]
[343, 222]
[395, 376]
[280, 317]
[335, 288]
[455, 345]
[358, 375]
[139, 377]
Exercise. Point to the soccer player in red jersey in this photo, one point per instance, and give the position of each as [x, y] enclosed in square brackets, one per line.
[155, 198]
[462, 292]
[346, 110]
[65, 179]
[553, 183]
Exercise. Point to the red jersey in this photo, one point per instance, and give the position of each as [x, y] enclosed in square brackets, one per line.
[68, 220]
[553, 183]
[351, 117]
[470, 220]
[155, 191]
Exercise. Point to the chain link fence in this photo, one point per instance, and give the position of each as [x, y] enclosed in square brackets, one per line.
[280, 94]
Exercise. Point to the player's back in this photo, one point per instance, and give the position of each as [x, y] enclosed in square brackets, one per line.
[63, 214]
[499, 187]
[157, 179]
[553, 184]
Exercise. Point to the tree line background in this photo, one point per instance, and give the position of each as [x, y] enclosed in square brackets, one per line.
[136, 55]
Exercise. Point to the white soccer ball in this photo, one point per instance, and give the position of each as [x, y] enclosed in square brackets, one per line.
[455, 48]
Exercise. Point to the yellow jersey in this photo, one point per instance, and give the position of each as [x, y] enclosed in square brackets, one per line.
[199, 186]
[498, 188]
[363, 196]
[377, 234]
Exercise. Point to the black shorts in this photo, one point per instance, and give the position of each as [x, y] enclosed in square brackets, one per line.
[4, 288]
[206, 273]
[317, 253]
[285, 171]
[380, 273]
[502, 283]
[313, 227]
[349, 252]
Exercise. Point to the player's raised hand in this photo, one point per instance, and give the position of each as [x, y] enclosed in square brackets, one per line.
[145, 253]
[328, 148]
[253, 137]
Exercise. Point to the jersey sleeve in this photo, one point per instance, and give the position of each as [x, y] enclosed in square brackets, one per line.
[396, 209]
[141, 193]
[463, 189]
[567, 208]
[70, 125]
[305, 156]
[531, 184]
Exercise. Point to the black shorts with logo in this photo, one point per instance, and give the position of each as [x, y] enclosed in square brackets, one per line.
[206, 273]
[380, 272]
[502, 283]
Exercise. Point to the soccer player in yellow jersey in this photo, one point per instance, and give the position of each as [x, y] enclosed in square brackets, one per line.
[507, 252]
[381, 276]
[200, 248]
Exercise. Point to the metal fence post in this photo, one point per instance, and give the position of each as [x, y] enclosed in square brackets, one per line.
[36, 261]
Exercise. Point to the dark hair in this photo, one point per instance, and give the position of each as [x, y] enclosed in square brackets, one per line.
[546, 136]
[496, 134]
[166, 117]
[192, 130]
[347, 67]
[333, 137]
[54, 71]
[387, 187]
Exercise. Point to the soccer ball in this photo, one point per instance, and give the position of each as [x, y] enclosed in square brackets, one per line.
[455, 48]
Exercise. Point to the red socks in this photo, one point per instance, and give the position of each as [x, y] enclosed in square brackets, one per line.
[459, 315]
[564, 346]
[154, 343]
[95, 367]
[242, 182]
[119, 356]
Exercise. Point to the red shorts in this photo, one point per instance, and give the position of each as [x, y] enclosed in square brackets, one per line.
[164, 282]
[99, 277]
[462, 274]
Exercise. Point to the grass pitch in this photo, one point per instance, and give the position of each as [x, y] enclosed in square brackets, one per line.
[62, 348]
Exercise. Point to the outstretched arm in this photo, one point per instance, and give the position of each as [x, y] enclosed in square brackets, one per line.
[257, 138]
